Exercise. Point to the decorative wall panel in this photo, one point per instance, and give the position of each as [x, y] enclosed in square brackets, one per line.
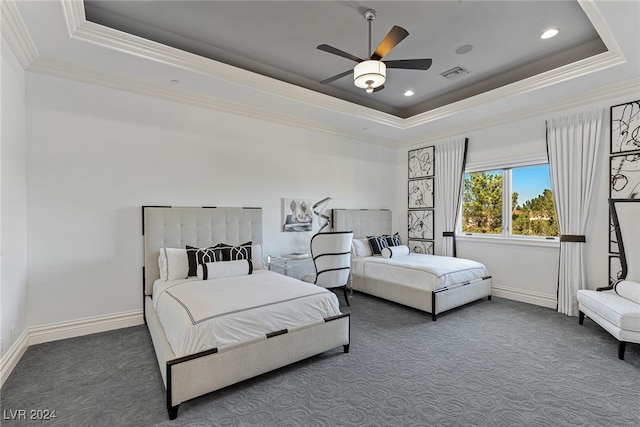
[420, 202]
[624, 164]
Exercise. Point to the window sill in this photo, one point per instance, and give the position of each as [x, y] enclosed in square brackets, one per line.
[512, 240]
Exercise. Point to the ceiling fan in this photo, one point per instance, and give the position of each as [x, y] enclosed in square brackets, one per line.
[370, 74]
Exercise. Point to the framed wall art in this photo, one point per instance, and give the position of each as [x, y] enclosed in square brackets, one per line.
[296, 215]
[624, 162]
[420, 202]
[625, 176]
[420, 246]
[421, 162]
[625, 127]
[421, 193]
[421, 224]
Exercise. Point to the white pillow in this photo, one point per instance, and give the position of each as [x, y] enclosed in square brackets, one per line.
[162, 265]
[173, 264]
[221, 269]
[256, 257]
[361, 248]
[629, 290]
[395, 251]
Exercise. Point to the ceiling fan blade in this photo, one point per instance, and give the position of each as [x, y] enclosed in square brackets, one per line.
[336, 77]
[410, 64]
[336, 51]
[395, 36]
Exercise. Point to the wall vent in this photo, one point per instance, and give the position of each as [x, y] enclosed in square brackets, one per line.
[454, 73]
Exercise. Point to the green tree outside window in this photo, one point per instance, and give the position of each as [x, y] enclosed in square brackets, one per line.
[482, 210]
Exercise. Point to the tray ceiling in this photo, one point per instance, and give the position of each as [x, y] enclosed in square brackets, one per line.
[278, 39]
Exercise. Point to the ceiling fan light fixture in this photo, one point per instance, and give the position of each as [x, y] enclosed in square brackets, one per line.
[369, 75]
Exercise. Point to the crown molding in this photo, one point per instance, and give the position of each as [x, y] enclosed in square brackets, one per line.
[611, 58]
[629, 87]
[112, 81]
[15, 32]
[82, 29]
[602, 28]
[74, 14]
[568, 72]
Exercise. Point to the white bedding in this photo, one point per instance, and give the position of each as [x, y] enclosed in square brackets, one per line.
[420, 271]
[198, 315]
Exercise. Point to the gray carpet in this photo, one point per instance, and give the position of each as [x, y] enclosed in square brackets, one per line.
[490, 363]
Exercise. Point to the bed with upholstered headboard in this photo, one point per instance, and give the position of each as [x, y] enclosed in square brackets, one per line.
[427, 282]
[199, 362]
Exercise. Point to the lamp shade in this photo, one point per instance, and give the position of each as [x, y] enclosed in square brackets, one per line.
[369, 74]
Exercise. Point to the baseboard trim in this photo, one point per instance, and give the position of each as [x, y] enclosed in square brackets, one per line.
[63, 330]
[90, 325]
[11, 358]
[530, 297]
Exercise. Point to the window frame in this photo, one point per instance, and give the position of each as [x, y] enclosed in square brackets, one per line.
[505, 168]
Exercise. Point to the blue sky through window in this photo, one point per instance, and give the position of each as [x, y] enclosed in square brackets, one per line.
[529, 182]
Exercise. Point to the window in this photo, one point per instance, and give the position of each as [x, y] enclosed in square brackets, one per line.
[529, 211]
[482, 202]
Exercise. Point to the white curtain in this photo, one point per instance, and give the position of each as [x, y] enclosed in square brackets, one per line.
[449, 163]
[572, 146]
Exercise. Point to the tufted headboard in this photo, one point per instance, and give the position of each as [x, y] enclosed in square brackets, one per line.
[175, 227]
[363, 222]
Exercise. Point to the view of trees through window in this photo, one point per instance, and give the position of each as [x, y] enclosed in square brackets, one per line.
[530, 213]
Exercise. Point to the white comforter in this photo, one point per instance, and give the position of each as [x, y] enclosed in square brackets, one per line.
[199, 315]
[428, 272]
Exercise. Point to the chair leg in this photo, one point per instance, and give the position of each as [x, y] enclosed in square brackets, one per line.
[346, 297]
[580, 318]
[622, 345]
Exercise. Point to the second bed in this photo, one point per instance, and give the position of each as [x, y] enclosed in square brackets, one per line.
[427, 282]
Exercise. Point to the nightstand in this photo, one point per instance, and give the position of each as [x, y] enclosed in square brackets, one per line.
[291, 267]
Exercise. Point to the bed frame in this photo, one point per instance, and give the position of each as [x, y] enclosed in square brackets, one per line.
[197, 374]
[374, 222]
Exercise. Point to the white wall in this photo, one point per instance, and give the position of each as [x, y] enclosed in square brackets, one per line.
[96, 155]
[526, 272]
[13, 208]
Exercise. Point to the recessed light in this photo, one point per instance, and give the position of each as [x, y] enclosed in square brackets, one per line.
[408, 93]
[549, 33]
[465, 48]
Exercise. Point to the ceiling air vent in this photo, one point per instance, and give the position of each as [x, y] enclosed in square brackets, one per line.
[454, 73]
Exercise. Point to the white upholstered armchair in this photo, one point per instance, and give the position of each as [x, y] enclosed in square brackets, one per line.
[617, 308]
[331, 254]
